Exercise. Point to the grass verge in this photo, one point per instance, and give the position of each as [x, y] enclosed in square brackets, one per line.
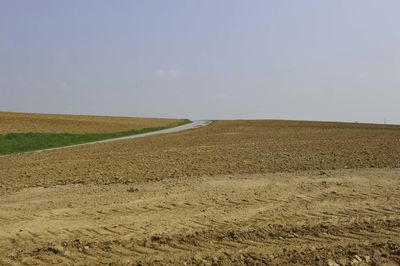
[23, 142]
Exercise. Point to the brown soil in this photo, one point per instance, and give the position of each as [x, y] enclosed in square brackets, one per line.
[47, 123]
[226, 147]
[232, 193]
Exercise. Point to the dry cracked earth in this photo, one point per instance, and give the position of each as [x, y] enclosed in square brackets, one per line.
[231, 193]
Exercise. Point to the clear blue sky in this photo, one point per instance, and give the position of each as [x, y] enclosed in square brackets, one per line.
[310, 59]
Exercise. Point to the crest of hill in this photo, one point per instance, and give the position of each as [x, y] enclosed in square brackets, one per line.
[54, 123]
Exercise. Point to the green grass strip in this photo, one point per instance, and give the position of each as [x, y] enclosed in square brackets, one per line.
[23, 142]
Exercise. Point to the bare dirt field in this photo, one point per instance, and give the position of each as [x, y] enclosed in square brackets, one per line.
[231, 193]
[222, 148]
[48, 123]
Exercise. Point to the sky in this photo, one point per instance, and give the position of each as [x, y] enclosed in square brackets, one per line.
[207, 59]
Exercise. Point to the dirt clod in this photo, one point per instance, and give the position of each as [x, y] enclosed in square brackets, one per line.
[132, 189]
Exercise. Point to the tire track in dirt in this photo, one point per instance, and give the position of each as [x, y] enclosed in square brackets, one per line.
[202, 219]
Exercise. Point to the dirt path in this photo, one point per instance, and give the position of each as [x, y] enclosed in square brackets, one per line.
[306, 217]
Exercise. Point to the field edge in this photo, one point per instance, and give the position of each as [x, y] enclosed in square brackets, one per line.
[14, 143]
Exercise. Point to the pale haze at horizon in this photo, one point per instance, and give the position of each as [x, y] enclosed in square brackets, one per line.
[312, 60]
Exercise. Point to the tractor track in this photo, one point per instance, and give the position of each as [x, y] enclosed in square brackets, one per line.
[268, 218]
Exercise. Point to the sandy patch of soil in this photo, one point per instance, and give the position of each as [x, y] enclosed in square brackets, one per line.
[340, 217]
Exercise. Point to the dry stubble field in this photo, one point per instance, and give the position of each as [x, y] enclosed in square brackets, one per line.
[234, 192]
[49, 123]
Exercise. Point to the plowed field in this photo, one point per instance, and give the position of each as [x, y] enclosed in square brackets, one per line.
[231, 193]
[47, 123]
